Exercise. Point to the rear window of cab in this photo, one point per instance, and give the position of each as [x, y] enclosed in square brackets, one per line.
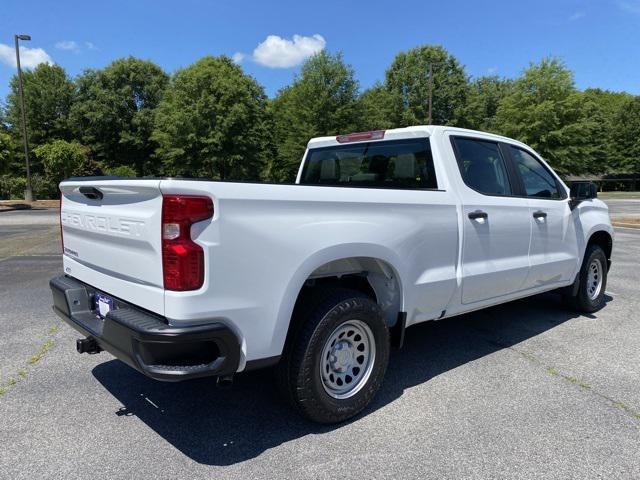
[400, 164]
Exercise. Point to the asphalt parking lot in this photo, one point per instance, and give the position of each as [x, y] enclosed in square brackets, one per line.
[624, 208]
[526, 390]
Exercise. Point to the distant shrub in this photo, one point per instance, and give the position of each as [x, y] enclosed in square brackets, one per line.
[122, 171]
[43, 188]
[60, 158]
[12, 187]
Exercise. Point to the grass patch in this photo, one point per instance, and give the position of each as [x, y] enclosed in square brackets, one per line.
[5, 386]
[576, 381]
[23, 373]
[568, 378]
[44, 348]
[627, 409]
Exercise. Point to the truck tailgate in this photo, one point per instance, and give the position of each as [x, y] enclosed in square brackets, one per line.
[111, 237]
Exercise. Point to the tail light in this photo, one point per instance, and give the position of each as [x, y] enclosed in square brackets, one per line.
[361, 136]
[182, 258]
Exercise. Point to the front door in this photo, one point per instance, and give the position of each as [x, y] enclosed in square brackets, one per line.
[553, 254]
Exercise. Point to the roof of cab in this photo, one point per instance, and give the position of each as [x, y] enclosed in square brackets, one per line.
[417, 131]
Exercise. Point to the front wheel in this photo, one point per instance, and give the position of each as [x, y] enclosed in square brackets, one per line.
[591, 282]
[336, 359]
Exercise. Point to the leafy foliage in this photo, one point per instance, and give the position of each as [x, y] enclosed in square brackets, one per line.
[6, 152]
[545, 111]
[626, 137]
[483, 98]
[12, 187]
[48, 96]
[377, 109]
[323, 100]
[121, 171]
[114, 111]
[212, 122]
[61, 159]
[407, 79]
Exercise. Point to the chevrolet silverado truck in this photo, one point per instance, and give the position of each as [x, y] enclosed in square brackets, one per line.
[382, 230]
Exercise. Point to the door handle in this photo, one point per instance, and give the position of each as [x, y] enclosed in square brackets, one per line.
[539, 214]
[91, 192]
[478, 214]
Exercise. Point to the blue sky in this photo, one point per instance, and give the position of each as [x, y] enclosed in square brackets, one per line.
[599, 40]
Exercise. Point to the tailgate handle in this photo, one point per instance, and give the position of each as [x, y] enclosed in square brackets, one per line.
[91, 192]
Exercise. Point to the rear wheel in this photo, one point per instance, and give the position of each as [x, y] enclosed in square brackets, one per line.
[336, 358]
[591, 282]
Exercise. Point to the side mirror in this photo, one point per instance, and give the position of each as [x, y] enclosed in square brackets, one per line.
[581, 191]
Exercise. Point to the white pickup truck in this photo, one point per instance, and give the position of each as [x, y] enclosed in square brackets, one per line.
[382, 230]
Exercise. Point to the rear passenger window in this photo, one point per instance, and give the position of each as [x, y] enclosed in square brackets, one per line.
[482, 166]
[388, 164]
[538, 182]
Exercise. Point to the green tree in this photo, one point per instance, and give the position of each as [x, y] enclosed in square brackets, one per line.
[6, 152]
[323, 100]
[213, 122]
[610, 104]
[114, 112]
[48, 96]
[546, 112]
[377, 109]
[61, 159]
[483, 99]
[407, 79]
[11, 159]
[626, 136]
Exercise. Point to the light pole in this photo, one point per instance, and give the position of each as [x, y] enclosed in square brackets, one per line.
[28, 193]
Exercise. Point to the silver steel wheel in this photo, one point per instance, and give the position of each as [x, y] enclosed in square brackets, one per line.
[594, 279]
[347, 359]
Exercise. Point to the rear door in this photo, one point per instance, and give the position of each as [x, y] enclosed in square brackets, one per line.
[553, 254]
[496, 225]
[111, 238]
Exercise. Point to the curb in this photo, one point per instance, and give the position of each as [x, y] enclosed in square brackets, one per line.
[18, 207]
[626, 225]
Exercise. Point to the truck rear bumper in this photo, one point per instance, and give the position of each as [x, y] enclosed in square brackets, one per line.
[145, 341]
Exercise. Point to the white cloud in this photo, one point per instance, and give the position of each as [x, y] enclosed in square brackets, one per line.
[576, 16]
[75, 47]
[278, 52]
[238, 57]
[29, 57]
[68, 45]
[631, 6]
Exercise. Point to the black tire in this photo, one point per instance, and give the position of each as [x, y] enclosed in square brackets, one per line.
[315, 321]
[582, 300]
